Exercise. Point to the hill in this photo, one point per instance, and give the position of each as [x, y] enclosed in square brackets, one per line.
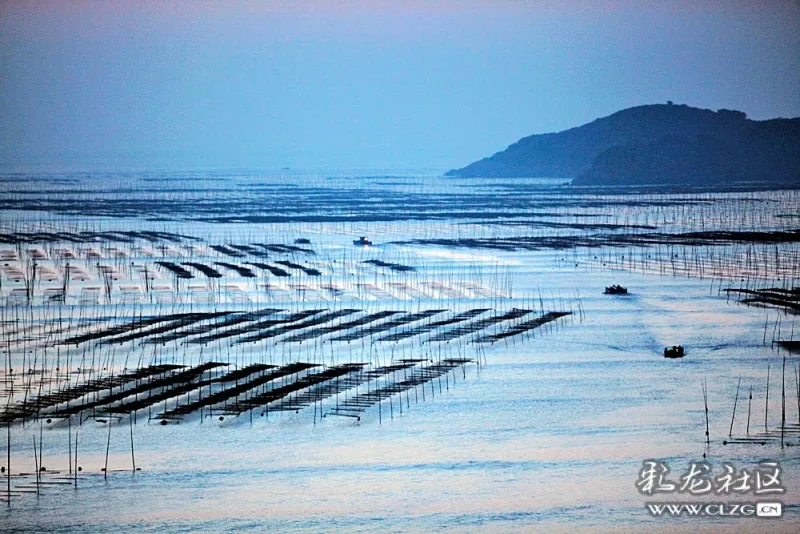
[655, 144]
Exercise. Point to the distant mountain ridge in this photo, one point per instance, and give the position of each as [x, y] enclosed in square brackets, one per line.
[655, 144]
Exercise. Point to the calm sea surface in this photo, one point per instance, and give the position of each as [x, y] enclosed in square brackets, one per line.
[548, 435]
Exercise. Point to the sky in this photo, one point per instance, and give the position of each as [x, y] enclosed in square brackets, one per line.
[365, 84]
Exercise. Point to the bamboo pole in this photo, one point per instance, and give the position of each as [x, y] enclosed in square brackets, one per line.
[766, 403]
[735, 400]
[705, 402]
[108, 446]
[783, 400]
[749, 404]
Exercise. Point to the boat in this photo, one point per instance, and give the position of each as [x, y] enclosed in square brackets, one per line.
[302, 241]
[362, 242]
[616, 289]
[676, 351]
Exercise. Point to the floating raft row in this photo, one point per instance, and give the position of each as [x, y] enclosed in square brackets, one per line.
[355, 406]
[34, 406]
[253, 327]
[425, 328]
[480, 324]
[788, 299]
[274, 271]
[20, 484]
[224, 395]
[249, 250]
[180, 323]
[227, 251]
[308, 270]
[124, 328]
[179, 271]
[751, 440]
[176, 390]
[321, 331]
[142, 328]
[263, 399]
[393, 266]
[523, 327]
[239, 390]
[210, 272]
[284, 249]
[269, 323]
[168, 381]
[338, 385]
[292, 326]
[763, 438]
[184, 388]
[400, 321]
[91, 237]
[241, 271]
[227, 321]
[790, 345]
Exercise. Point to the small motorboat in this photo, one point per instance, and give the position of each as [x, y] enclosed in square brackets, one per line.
[676, 351]
[616, 289]
[362, 242]
[302, 241]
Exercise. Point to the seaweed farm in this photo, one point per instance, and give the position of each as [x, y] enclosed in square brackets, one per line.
[220, 351]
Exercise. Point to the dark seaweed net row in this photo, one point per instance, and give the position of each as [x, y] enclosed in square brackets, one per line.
[252, 251]
[336, 386]
[308, 270]
[179, 323]
[263, 399]
[169, 381]
[480, 324]
[523, 327]
[125, 327]
[275, 271]
[424, 328]
[388, 325]
[317, 332]
[226, 394]
[393, 266]
[570, 242]
[91, 237]
[222, 249]
[242, 271]
[284, 249]
[33, 406]
[205, 269]
[179, 271]
[292, 326]
[254, 327]
[167, 393]
[787, 299]
[237, 318]
[358, 404]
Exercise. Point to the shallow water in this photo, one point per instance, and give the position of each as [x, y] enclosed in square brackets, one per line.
[548, 435]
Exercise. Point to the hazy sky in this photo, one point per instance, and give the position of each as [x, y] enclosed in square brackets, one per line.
[394, 84]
